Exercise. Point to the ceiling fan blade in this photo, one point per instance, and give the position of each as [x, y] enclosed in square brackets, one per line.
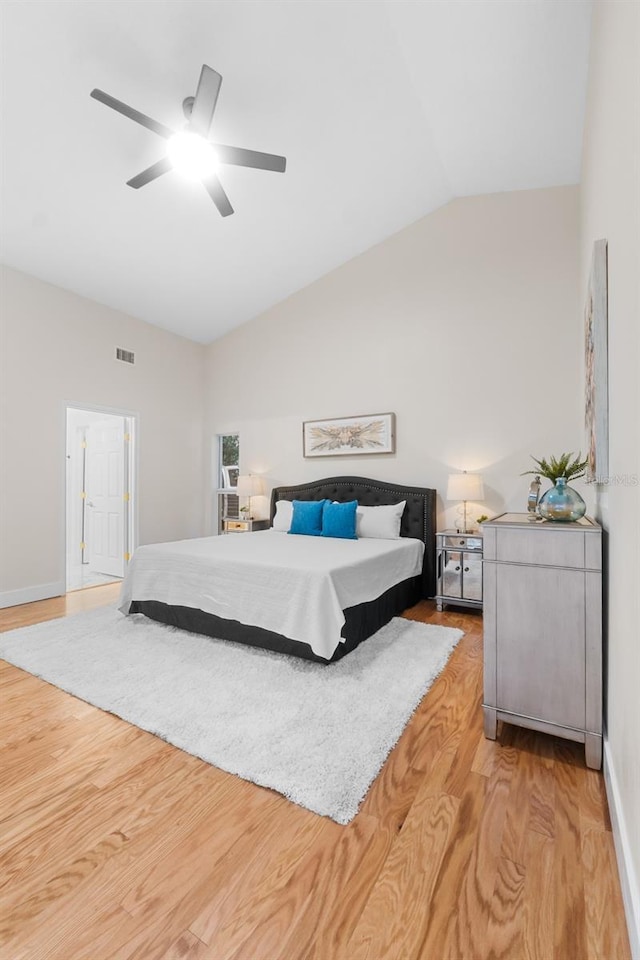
[214, 189]
[205, 100]
[151, 173]
[250, 158]
[127, 111]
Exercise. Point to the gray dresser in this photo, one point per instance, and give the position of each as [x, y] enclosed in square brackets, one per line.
[543, 628]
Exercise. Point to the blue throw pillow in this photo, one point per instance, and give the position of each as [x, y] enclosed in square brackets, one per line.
[339, 520]
[307, 517]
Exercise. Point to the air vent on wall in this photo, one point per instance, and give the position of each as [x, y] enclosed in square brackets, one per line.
[127, 356]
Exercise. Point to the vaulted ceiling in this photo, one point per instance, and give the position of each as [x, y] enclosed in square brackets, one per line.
[384, 110]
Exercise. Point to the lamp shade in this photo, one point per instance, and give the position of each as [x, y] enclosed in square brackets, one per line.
[249, 486]
[465, 486]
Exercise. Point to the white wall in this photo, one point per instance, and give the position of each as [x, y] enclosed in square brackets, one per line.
[463, 324]
[610, 209]
[58, 348]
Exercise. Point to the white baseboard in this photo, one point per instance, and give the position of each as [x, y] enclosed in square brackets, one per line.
[628, 879]
[11, 598]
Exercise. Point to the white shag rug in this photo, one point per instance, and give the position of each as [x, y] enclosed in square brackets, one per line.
[317, 734]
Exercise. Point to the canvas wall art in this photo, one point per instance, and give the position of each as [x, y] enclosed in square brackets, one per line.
[349, 436]
[596, 367]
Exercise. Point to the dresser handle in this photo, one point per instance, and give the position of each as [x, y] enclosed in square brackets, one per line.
[466, 569]
[457, 568]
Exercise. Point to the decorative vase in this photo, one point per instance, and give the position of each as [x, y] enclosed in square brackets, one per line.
[562, 503]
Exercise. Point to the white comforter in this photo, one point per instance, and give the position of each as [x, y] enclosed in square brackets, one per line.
[293, 585]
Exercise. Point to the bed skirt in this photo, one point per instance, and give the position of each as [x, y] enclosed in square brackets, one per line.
[361, 621]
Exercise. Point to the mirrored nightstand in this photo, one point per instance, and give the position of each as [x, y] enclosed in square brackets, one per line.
[458, 569]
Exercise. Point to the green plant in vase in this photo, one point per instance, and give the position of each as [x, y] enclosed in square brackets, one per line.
[561, 503]
[562, 466]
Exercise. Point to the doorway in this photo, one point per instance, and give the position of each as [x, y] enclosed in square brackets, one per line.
[99, 496]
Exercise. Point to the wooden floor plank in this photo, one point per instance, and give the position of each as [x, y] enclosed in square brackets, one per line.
[456, 922]
[82, 819]
[264, 912]
[505, 929]
[484, 759]
[328, 877]
[201, 849]
[570, 938]
[604, 915]
[394, 920]
[187, 947]
[538, 901]
[334, 932]
[592, 800]
[68, 919]
[146, 932]
[186, 879]
[244, 871]
[118, 846]
[447, 707]
[516, 757]
[542, 799]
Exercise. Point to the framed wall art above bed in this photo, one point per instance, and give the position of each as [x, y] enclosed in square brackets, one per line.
[349, 436]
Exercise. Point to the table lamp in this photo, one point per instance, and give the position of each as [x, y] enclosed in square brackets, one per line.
[465, 486]
[249, 486]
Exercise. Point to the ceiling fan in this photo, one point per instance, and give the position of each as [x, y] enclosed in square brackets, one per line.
[190, 151]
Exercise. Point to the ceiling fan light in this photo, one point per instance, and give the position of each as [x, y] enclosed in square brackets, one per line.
[191, 155]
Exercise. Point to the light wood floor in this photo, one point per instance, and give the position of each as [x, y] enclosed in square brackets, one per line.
[117, 845]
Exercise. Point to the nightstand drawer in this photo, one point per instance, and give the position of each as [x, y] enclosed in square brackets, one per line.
[236, 526]
[462, 542]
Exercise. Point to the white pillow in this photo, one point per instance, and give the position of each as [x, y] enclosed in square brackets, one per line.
[283, 516]
[382, 523]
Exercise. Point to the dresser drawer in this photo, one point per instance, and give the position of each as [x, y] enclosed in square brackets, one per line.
[548, 548]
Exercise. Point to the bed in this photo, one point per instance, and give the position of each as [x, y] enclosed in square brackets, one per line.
[230, 587]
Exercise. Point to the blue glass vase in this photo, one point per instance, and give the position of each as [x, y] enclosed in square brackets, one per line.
[562, 503]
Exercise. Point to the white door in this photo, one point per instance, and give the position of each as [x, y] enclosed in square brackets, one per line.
[105, 490]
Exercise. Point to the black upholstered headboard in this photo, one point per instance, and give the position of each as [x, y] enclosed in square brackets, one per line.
[418, 519]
